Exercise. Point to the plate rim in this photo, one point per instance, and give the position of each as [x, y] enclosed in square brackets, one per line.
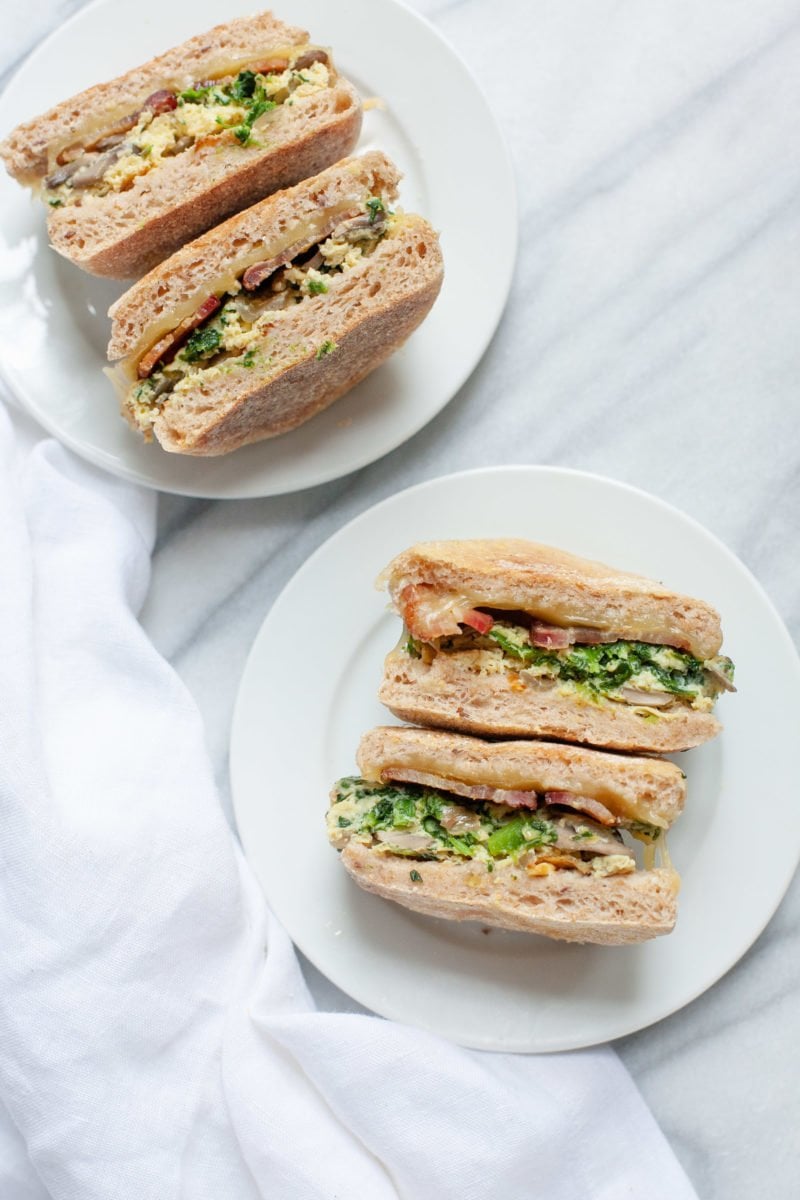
[237, 735]
[106, 461]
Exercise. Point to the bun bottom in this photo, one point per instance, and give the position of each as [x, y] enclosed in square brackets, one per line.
[450, 693]
[613, 911]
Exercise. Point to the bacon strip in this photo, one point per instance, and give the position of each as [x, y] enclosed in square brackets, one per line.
[158, 102]
[549, 637]
[477, 620]
[254, 276]
[558, 637]
[584, 804]
[174, 338]
[513, 798]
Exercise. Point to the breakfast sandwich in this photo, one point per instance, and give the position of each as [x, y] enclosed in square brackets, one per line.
[132, 169]
[526, 835]
[509, 638]
[253, 328]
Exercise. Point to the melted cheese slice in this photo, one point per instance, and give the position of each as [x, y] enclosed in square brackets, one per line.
[302, 233]
[503, 773]
[217, 66]
[436, 604]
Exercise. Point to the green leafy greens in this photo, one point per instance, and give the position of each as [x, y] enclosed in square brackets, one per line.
[605, 667]
[499, 832]
[202, 344]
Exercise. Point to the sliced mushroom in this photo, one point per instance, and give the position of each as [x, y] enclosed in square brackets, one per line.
[572, 836]
[92, 172]
[178, 147]
[309, 58]
[363, 228]
[715, 668]
[63, 173]
[459, 820]
[108, 142]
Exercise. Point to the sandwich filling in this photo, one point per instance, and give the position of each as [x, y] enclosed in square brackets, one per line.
[540, 833]
[232, 331]
[592, 663]
[231, 109]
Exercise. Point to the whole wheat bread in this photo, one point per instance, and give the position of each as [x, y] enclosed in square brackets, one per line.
[25, 150]
[175, 288]
[514, 574]
[450, 694]
[609, 911]
[367, 314]
[645, 789]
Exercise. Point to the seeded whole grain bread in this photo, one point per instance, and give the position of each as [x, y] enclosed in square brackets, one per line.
[612, 911]
[514, 574]
[123, 234]
[645, 789]
[451, 693]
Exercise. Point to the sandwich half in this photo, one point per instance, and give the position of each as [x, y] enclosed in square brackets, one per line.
[133, 168]
[510, 638]
[256, 326]
[523, 835]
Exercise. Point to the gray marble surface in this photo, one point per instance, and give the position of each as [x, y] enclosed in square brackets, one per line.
[651, 335]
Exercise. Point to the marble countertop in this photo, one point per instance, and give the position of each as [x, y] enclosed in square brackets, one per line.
[650, 335]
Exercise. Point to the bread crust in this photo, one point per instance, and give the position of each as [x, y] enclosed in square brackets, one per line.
[449, 694]
[25, 150]
[200, 267]
[611, 911]
[646, 789]
[511, 573]
[367, 314]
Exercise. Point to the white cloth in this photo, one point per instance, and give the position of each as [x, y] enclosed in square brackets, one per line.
[157, 1039]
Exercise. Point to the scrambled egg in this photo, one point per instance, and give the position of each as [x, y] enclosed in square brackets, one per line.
[161, 134]
[157, 136]
[487, 662]
[340, 253]
[142, 410]
[613, 864]
[312, 79]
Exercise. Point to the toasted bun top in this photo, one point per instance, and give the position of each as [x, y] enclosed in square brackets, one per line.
[513, 574]
[213, 262]
[642, 789]
[225, 48]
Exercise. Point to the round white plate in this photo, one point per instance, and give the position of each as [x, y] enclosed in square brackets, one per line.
[53, 324]
[308, 693]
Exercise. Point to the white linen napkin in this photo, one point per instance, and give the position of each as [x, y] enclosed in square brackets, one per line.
[157, 1039]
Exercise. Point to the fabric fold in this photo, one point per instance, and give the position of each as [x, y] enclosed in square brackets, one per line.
[157, 1038]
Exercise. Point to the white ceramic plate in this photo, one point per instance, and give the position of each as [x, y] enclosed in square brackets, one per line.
[53, 327]
[308, 693]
